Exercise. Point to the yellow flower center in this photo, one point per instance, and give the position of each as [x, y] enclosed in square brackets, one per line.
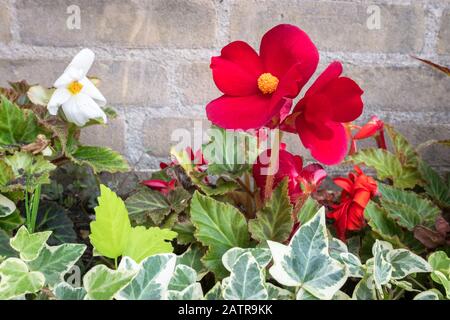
[75, 87]
[267, 83]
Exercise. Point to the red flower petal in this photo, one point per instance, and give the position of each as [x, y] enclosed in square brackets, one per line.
[286, 46]
[332, 72]
[237, 69]
[345, 95]
[326, 150]
[369, 129]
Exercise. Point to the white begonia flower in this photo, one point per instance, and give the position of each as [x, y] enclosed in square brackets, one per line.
[78, 96]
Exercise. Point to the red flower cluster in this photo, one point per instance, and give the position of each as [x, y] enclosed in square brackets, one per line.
[300, 179]
[358, 189]
[258, 91]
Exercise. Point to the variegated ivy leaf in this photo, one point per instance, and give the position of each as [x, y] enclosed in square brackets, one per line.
[64, 291]
[246, 281]
[7, 207]
[306, 261]
[382, 269]
[431, 294]
[192, 258]
[365, 289]
[102, 283]
[215, 293]
[182, 277]
[29, 245]
[152, 280]
[404, 263]
[277, 293]
[55, 262]
[262, 256]
[353, 263]
[191, 292]
[439, 262]
[443, 280]
[16, 279]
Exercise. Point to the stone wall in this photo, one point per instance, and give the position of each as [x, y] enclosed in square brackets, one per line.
[153, 58]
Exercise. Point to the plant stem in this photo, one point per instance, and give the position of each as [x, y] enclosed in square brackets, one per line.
[417, 283]
[115, 263]
[35, 207]
[398, 295]
[27, 207]
[273, 165]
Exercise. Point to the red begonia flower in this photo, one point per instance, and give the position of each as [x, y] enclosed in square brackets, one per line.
[290, 166]
[319, 117]
[257, 89]
[373, 128]
[160, 185]
[358, 189]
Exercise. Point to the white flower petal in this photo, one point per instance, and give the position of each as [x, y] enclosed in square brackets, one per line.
[82, 61]
[59, 97]
[81, 108]
[64, 80]
[91, 90]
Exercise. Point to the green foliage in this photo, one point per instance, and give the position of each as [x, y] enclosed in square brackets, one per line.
[220, 227]
[407, 208]
[440, 264]
[17, 127]
[100, 159]
[7, 207]
[29, 245]
[112, 234]
[17, 280]
[274, 221]
[435, 186]
[308, 210]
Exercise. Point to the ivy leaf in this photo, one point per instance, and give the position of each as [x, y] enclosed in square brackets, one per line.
[432, 294]
[152, 280]
[277, 293]
[64, 291]
[192, 258]
[219, 226]
[215, 293]
[29, 245]
[246, 281]
[184, 285]
[6, 251]
[143, 242]
[192, 292]
[7, 207]
[17, 126]
[388, 166]
[440, 263]
[274, 221]
[111, 229]
[382, 269]
[261, 255]
[16, 279]
[28, 170]
[306, 262]
[55, 262]
[100, 159]
[407, 208]
[102, 283]
[435, 186]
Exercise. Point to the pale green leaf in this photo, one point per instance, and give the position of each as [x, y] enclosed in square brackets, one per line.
[261, 255]
[306, 262]
[246, 281]
[431, 294]
[308, 210]
[40, 95]
[215, 293]
[7, 207]
[182, 277]
[404, 263]
[55, 262]
[192, 258]
[277, 293]
[17, 279]
[382, 269]
[152, 279]
[274, 220]
[111, 229]
[29, 245]
[64, 291]
[192, 292]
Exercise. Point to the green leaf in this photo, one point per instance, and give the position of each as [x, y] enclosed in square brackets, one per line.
[365, 289]
[17, 126]
[111, 229]
[17, 280]
[382, 269]
[28, 170]
[261, 255]
[404, 263]
[215, 293]
[308, 210]
[306, 262]
[182, 277]
[64, 291]
[29, 245]
[185, 230]
[102, 283]
[192, 292]
[388, 166]
[6, 251]
[402, 148]
[274, 221]
[219, 226]
[55, 262]
[7, 207]
[230, 152]
[152, 280]
[443, 280]
[192, 258]
[143, 242]
[53, 217]
[353, 264]
[148, 202]
[435, 186]
[246, 281]
[407, 208]
[100, 159]
[6, 174]
[440, 263]
[277, 293]
[11, 222]
[431, 294]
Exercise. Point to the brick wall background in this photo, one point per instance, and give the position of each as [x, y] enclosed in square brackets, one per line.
[153, 59]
